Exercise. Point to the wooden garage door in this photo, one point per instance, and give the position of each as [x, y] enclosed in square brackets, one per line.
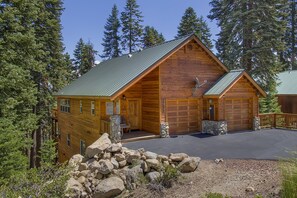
[238, 113]
[183, 115]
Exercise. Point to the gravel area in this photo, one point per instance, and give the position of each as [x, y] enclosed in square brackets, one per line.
[230, 177]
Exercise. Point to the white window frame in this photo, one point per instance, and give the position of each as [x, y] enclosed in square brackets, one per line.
[65, 105]
[93, 107]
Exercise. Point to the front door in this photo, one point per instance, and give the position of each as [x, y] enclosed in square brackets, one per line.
[134, 113]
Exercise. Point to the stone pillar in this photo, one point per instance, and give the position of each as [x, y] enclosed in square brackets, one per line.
[256, 123]
[115, 128]
[164, 130]
[214, 127]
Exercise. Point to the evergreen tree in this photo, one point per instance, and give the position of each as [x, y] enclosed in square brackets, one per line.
[111, 40]
[151, 37]
[88, 58]
[251, 38]
[18, 49]
[289, 56]
[190, 23]
[84, 57]
[131, 19]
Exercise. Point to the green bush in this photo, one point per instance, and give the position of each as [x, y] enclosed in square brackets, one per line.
[289, 180]
[168, 175]
[215, 195]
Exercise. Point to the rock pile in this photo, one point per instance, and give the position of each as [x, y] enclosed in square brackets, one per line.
[108, 169]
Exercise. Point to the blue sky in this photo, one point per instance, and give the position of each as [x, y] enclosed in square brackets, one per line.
[86, 18]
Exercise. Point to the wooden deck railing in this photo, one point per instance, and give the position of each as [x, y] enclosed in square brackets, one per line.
[104, 126]
[278, 120]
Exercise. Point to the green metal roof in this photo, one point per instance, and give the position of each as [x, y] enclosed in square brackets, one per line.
[223, 83]
[110, 76]
[287, 82]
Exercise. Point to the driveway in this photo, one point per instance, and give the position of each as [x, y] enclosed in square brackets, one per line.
[263, 144]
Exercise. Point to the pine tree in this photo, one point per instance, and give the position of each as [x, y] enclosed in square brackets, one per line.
[289, 56]
[190, 23]
[251, 38]
[131, 19]
[18, 49]
[88, 58]
[84, 57]
[111, 40]
[151, 37]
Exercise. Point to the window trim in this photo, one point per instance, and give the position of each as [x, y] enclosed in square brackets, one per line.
[65, 105]
[93, 108]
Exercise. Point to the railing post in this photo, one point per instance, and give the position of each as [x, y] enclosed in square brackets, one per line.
[274, 120]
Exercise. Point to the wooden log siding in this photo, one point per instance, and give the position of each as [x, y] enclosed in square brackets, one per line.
[81, 126]
[288, 103]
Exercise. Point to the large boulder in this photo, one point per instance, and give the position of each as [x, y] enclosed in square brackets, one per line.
[110, 187]
[152, 176]
[153, 163]
[74, 187]
[132, 176]
[150, 155]
[177, 157]
[189, 164]
[75, 160]
[132, 156]
[98, 146]
[105, 167]
[113, 148]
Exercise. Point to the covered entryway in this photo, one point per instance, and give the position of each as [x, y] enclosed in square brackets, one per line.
[238, 113]
[134, 113]
[183, 115]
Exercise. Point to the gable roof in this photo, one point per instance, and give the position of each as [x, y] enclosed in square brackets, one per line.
[226, 82]
[287, 83]
[111, 76]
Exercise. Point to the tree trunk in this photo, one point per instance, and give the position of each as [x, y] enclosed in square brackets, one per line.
[247, 39]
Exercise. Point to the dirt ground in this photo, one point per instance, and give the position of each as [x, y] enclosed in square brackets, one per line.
[230, 177]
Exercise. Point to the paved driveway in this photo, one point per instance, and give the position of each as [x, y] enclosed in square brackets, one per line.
[263, 144]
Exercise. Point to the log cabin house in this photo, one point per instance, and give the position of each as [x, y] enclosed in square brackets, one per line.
[180, 83]
[287, 91]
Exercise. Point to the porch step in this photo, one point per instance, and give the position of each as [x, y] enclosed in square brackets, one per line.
[134, 139]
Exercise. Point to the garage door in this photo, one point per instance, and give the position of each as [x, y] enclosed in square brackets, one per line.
[183, 115]
[238, 113]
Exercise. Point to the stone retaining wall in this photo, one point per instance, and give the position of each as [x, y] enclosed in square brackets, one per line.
[214, 127]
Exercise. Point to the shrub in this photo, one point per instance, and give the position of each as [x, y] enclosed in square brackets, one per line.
[289, 180]
[168, 175]
[215, 195]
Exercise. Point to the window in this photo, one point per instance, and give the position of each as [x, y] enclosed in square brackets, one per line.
[80, 106]
[82, 147]
[65, 105]
[93, 108]
[68, 139]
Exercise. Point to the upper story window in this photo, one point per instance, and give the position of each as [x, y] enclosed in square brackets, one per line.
[65, 105]
[93, 107]
[80, 106]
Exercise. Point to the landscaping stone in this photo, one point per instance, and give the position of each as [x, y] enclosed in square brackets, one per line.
[145, 167]
[81, 179]
[105, 167]
[98, 146]
[162, 158]
[75, 160]
[132, 155]
[84, 173]
[113, 148]
[110, 187]
[189, 164]
[150, 155]
[74, 186]
[132, 176]
[152, 176]
[177, 157]
[114, 163]
[153, 163]
[82, 167]
[122, 163]
[119, 157]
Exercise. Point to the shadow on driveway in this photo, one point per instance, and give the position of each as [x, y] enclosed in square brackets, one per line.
[268, 144]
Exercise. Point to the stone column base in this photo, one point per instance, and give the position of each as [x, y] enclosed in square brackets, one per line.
[214, 127]
[115, 128]
[164, 130]
[256, 123]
